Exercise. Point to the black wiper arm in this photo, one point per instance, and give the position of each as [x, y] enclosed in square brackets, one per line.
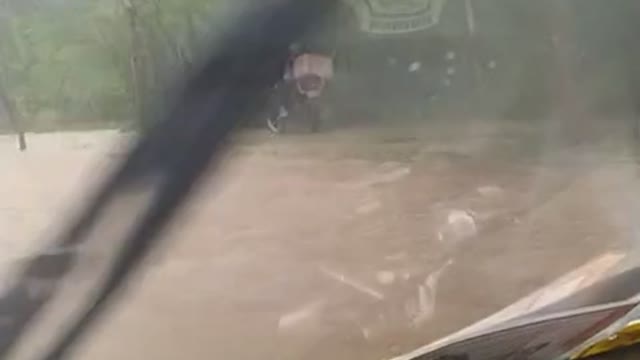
[167, 162]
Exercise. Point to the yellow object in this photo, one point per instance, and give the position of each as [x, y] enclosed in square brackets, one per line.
[628, 336]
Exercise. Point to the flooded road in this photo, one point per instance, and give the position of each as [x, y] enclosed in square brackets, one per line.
[350, 245]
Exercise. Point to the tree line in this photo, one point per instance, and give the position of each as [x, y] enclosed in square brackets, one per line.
[91, 63]
[66, 63]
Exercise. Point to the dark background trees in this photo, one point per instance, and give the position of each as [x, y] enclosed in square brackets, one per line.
[97, 63]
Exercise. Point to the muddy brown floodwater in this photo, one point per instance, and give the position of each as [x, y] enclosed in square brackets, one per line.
[358, 244]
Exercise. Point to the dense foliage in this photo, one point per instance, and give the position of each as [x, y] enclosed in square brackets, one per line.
[90, 63]
[69, 62]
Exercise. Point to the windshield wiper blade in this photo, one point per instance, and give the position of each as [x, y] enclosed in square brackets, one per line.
[167, 162]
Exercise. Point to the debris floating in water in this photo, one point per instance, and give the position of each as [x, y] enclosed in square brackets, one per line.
[386, 277]
[297, 316]
[388, 173]
[369, 207]
[427, 295]
[353, 283]
[460, 225]
[490, 191]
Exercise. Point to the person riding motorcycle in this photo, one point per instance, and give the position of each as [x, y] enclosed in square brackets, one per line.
[303, 79]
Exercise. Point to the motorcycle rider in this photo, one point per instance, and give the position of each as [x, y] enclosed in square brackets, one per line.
[304, 77]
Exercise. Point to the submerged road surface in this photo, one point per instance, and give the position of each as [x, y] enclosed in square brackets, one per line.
[351, 245]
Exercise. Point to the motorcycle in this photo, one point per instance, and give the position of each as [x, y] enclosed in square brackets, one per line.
[300, 94]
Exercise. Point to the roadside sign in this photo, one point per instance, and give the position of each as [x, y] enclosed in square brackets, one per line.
[396, 16]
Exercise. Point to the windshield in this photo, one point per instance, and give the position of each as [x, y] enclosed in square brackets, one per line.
[413, 167]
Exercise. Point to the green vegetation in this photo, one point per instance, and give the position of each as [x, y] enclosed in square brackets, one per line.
[95, 63]
[98, 63]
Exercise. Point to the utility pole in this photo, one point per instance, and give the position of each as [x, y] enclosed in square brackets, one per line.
[563, 39]
[472, 49]
[9, 112]
[135, 60]
[471, 18]
[7, 107]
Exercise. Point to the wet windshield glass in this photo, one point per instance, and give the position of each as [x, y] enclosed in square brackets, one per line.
[415, 167]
